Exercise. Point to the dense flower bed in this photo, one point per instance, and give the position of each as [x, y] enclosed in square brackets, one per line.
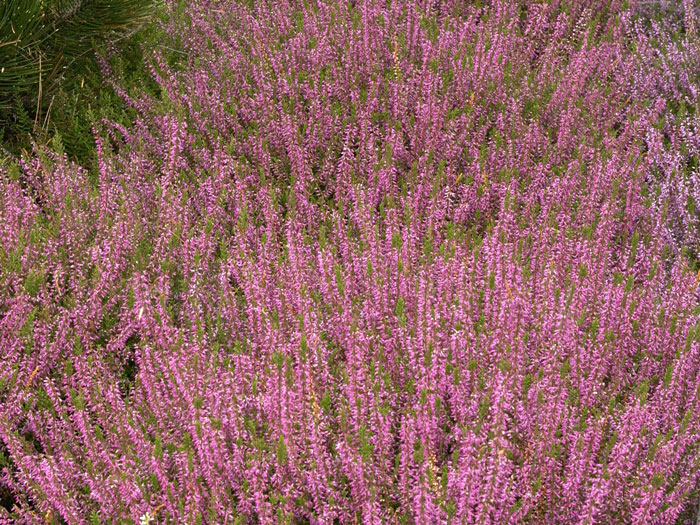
[366, 262]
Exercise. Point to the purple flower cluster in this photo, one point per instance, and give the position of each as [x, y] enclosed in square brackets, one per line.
[379, 261]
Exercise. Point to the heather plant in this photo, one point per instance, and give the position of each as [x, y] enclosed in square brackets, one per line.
[403, 262]
[672, 139]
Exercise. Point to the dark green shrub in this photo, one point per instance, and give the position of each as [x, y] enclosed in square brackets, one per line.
[44, 42]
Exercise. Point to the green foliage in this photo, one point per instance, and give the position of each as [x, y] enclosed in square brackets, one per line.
[46, 43]
[84, 98]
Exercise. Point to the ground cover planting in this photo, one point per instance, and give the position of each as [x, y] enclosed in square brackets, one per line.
[366, 262]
